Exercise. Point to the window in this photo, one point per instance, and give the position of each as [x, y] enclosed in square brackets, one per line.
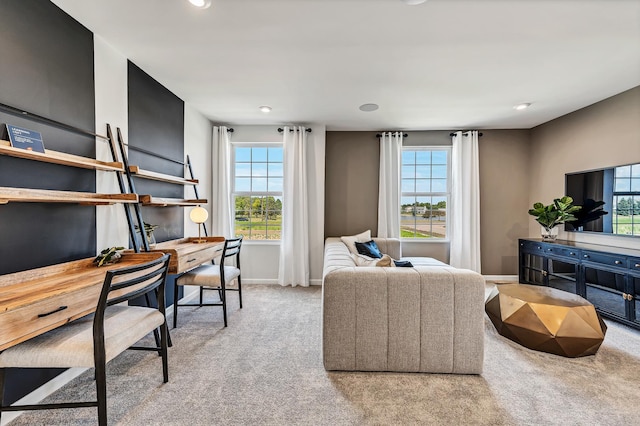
[626, 200]
[425, 178]
[257, 190]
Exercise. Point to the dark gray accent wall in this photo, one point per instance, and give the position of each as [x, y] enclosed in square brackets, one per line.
[46, 68]
[156, 124]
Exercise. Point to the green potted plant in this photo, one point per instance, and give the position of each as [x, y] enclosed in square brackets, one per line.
[148, 231]
[560, 211]
[108, 256]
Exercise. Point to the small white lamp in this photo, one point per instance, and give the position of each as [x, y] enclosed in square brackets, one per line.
[199, 215]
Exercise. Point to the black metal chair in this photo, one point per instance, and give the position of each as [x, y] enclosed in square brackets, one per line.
[213, 277]
[94, 340]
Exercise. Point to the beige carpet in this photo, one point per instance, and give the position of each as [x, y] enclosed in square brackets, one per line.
[266, 368]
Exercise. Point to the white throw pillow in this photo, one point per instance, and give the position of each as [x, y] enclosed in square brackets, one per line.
[362, 260]
[350, 241]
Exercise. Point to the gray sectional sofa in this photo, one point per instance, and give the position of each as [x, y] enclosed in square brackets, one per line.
[425, 318]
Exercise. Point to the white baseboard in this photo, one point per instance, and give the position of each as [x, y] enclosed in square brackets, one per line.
[259, 281]
[42, 392]
[507, 278]
[274, 281]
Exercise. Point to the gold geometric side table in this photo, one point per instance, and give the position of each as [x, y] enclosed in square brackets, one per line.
[546, 319]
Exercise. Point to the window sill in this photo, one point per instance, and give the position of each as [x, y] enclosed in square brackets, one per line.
[261, 242]
[425, 240]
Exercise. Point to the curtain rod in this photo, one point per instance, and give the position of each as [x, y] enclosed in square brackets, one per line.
[404, 135]
[465, 132]
[23, 113]
[280, 129]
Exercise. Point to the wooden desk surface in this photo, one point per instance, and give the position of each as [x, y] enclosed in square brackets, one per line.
[38, 300]
[186, 254]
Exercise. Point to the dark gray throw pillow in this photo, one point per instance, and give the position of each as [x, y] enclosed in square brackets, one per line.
[370, 248]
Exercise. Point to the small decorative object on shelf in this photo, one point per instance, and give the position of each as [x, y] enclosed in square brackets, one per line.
[25, 138]
[148, 231]
[560, 211]
[108, 256]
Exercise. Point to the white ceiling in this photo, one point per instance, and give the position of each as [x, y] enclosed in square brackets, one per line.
[444, 64]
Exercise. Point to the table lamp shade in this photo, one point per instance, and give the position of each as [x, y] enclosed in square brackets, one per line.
[198, 215]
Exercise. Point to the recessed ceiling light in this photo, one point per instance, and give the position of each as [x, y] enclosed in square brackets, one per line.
[201, 4]
[265, 108]
[413, 2]
[520, 107]
[369, 107]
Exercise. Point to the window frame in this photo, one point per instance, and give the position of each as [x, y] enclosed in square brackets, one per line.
[634, 195]
[235, 193]
[447, 195]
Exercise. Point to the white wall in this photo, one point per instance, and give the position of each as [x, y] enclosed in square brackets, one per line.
[260, 258]
[111, 107]
[197, 145]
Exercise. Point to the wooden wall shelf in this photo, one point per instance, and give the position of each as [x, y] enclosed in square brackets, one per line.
[29, 195]
[146, 174]
[151, 201]
[61, 158]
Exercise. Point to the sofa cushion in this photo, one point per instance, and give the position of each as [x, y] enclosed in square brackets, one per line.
[350, 241]
[370, 248]
[423, 261]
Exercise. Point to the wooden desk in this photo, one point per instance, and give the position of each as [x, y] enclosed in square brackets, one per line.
[186, 255]
[35, 301]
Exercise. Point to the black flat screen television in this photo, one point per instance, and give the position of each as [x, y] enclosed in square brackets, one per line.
[610, 200]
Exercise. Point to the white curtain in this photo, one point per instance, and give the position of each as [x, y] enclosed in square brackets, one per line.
[389, 185]
[221, 202]
[464, 251]
[294, 246]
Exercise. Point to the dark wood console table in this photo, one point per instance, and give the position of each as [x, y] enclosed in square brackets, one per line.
[609, 277]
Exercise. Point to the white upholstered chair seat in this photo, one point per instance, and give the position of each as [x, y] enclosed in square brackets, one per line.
[72, 344]
[208, 275]
[211, 277]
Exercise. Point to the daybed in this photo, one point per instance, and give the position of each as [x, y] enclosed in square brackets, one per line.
[425, 318]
